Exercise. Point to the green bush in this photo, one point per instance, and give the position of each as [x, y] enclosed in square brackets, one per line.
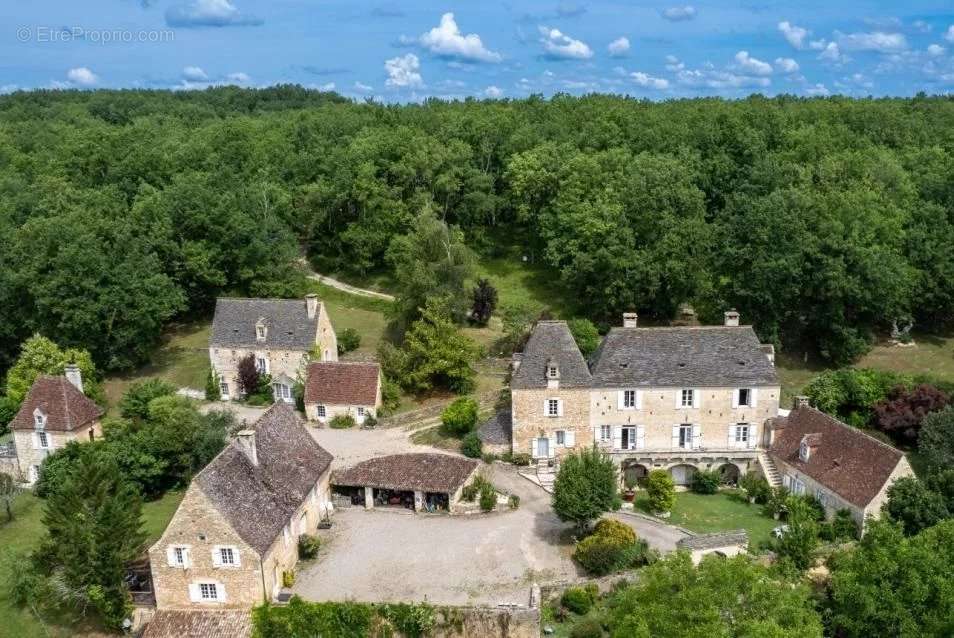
[469, 492]
[213, 392]
[587, 628]
[706, 482]
[135, 402]
[390, 397]
[342, 422]
[756, 487]
[460, 417]
[308, 546]
[777, 502]
[520, 458]
[514, 501]
[370, 421]
[488, 457]
[616, 530]
[471, 446]
[611, 547]
[661, 491]
[577, 600]
[349, 340]
[488, 497]
[585, 334]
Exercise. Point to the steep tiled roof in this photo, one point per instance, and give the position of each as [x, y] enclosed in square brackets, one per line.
[66, 408]
[551, 340]
[286, 319]
[426, 472]
[334, 383]
[844, 459]
[181, 623]
[498, 429]
[259, 500]
[709, 356]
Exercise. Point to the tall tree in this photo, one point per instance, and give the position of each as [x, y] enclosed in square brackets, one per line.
[435, 354]
[39, 355]
[585, 487]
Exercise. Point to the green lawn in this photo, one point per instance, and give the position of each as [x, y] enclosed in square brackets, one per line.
[727, 510]
[517, 281]
[25, 532]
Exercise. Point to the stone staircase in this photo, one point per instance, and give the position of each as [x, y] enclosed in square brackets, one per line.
[546, 475]
[771, 472]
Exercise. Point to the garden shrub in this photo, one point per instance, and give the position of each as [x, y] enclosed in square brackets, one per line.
[706, 482]
[577, 600]
[587, 628]
[815, 508]
[288, 578]
[349, 340]
[514, 501]
[611, 547]
[777, 502]
[370, 421]
[471, 446]
[342, 422]
[844, 526]
[135, 402]
[412, 621]
[756, 487]
[469, 492]
[308, 546]
[460, 417]
[661, 491]
[520, 458]
[488, 457]
[213, 391]
[614, 529]
[488, 497]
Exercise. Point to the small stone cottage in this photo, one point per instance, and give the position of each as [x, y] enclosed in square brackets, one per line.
[235, 534]
[279, 333]
[54, 412]
[338, 388]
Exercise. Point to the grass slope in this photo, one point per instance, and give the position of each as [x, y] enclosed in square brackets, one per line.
[705, 513]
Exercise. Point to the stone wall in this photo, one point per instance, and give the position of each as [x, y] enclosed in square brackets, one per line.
[331, 411]
[530, 420]
[28, 456]
[486, 622]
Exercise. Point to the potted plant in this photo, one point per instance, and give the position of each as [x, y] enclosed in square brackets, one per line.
[629, 482]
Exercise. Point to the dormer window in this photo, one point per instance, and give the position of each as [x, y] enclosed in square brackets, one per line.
[39, 419]
[804, 451]
[261, 331]
[553, 372]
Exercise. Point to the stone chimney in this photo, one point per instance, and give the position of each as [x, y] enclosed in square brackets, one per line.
[800, 402]
[630, 319]
[74, 376]
[246, 441]
[311, 302]
[731, 317]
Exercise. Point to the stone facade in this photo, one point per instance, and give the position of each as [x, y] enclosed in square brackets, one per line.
[541, 435]
[30, 455]
[358, 412]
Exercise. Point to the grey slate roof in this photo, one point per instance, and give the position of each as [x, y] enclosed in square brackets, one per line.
[551, 339]
[286, 319]
[418, 471]
[497, 430]
[708, 356]
[259, 500]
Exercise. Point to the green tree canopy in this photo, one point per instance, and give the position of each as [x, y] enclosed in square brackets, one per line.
[585, 487]
[39, 355]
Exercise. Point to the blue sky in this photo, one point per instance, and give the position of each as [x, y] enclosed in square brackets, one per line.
[405, 51]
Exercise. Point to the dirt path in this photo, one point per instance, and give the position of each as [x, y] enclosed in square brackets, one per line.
[340, 285]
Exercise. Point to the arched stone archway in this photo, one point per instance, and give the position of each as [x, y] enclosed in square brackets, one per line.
[729, 473]
[634, 473]
[682, 474]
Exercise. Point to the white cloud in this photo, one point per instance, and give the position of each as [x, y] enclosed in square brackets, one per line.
[817, 90]
[194, 74]
[447, 40]
[677, 14]
[673, 64]
[208, 13]
[648, 81]
[786, 65]
[794, 34]
[936, 50]
[874, 41]
[831, 53]
[238, 78]
[618, 47]
[330, 86]
[82, 76]
[712, 78]
[949, 36]
[404, 71]
[558, 45]
[8, 88]
[363, 88]
[750, 65]
[493, 92]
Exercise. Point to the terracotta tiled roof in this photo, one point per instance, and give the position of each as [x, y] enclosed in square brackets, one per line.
[176, 623]
[426, 472]
[338, 383]
[66, 408]
[846, 460]
[259, 500]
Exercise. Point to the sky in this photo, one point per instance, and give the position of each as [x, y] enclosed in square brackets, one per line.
[407, 51]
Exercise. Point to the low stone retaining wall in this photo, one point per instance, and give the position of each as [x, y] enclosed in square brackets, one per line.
[487, 622]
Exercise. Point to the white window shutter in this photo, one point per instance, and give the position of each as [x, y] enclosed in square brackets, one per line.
[559, 407]
[171, 556]
[732, 433]
[696, 436]
[735, 398]
[569, 438]
[675, 436]
[697, 398]
[217, 556]
[640, 437]
[596, 434]
[36, 441]
[754, 395]
[639, 399]
[617, 437]
[751, 441]
[220, 592]
[194, 594]
[620, 399]
[678, 398]
[551, 447]
[533, 448]
[546, 407]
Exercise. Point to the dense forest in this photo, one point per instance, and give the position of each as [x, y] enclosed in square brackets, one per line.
[824, 221]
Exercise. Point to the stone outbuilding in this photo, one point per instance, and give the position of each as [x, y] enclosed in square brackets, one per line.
[235, 534]
[725, 544]
[281, 334]
[54, 413]
[496, 432]
[840, 465]
[423, 481]
[339, 388]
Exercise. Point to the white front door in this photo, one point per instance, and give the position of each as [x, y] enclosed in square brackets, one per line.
[543, 448]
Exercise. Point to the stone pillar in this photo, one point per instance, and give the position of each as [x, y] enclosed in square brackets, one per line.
[369, 498]
[418, 500]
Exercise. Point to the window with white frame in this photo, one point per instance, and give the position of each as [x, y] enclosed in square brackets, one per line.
[745, 397]
[628, 438]
[208, 591]
[223, 388]
[39, 419]
[227, 556]
[742, 435]
[552, 372]
[606, 432]
[804, 452]
[629, 399]
[560, 437]
[685, 436]
[686, 397]
[42, 441]
[281, 391]
[360, 410]
[553, 407]
[260, 332]
[321, 411]
[178, 556]
[261, 363]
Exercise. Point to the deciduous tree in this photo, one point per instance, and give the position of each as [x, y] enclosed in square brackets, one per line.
[585, 487]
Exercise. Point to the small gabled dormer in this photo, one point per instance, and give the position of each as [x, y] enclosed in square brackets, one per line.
[261, 330]
[808, 446]
[553, 373]
[39, 419]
